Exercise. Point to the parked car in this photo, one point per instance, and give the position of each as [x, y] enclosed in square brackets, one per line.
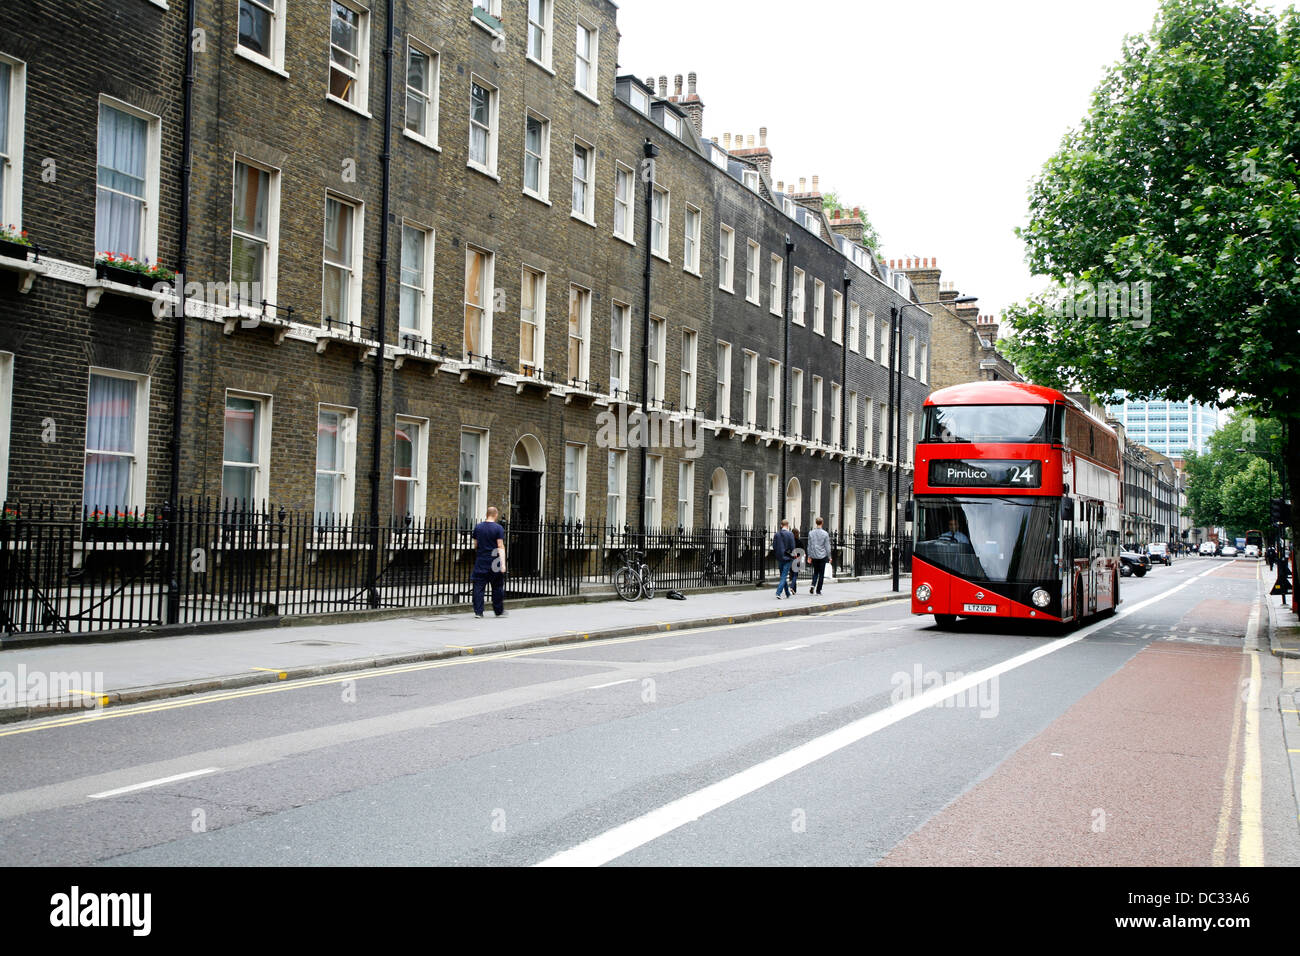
[1207, 549]
[1252, 551]
[1229, 551]
[1134, 563]
[1159, 551]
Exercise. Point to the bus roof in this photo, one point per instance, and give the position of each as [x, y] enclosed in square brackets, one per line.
[997, 393]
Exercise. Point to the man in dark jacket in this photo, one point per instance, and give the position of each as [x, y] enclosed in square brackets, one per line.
[489, 563]
[783, 548]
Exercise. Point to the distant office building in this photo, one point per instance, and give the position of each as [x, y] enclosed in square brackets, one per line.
[1168, 427]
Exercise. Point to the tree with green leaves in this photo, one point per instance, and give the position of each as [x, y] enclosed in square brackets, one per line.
[1230, 484]
[870, 238]
[1169, 221]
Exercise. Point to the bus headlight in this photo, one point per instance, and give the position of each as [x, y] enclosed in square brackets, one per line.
[1040, 597]
[923, 593]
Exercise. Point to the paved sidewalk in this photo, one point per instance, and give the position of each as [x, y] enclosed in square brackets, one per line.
[59, 677]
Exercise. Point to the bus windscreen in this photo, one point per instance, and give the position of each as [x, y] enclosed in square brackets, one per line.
[988, 539]
[987, 423]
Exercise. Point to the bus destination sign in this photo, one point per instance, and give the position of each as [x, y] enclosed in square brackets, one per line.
[981, 473]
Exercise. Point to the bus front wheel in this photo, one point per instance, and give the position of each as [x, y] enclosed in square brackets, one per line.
[945, 621]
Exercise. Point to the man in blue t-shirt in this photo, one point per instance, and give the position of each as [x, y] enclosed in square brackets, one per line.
[489, 563]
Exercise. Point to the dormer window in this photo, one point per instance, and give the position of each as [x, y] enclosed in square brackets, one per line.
[750, 179]
[673, 123]
[640, 100]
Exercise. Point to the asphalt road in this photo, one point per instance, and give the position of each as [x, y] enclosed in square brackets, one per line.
[858, 737]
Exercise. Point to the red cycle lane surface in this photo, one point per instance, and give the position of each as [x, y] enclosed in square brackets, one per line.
[1132, 775]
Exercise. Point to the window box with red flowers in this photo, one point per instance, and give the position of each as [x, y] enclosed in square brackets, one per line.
[14, 243]
[126, 270]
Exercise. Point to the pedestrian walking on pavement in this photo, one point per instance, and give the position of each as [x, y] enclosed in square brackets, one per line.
[819, 552]
[783, 550]
[489, 563]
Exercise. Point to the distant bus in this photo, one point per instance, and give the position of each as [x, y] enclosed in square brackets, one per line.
[1017, 506]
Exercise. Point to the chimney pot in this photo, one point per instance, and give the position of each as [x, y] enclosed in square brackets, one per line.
[650, 82]
[677, 85]
[815, 189]
[780, 185]
[726, 140]
[663, 85]
[690, 81]
[715, 139]
[857, 212]
[751, 140]
[762, 136]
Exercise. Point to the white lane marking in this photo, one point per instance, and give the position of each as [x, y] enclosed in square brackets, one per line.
[623, 839]
[614, 683]
[796, 647]
[153, 783]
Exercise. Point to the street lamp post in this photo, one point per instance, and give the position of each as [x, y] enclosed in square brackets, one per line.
[896, 411]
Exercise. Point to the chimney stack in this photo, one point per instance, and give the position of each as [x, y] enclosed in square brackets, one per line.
[677, 86]
[690, 83]
[693, 106]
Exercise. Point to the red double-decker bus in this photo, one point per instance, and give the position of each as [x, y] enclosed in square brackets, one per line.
[1017, 506]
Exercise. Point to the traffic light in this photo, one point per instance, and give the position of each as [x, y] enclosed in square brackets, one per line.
[1274, 511]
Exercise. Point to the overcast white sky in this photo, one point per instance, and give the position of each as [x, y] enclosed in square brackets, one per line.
[933, 115]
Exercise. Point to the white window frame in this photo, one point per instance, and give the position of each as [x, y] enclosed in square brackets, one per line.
[749, 386]
[417, 494]
[855, 319]
[656, 354]
[11, 165]
[275, 60]
[773, 395]
[543, 190]
[352, 268]
[545, 27]
[837, 395]
[587, 213]
[654, 491]
[749, 178]
[837, 317]
[480, 480]
[493, 126]
[911, 356]
[360, 99]
[149, 226]
[347, 477]
[722, 394]
[868, 337]
[753, 277]
[869, 429]
[797, 297]
[270, 270]
[776, 284]
[909, 438]
[746, 499]
[486, 285]
[851, 434]
[579, 494]
[423, 328]
[819, 307]
[592, 60]
[692, 227]
[882, 511]
[686, 495]
[796, 402]
[814, 502]
[833, 509]
[539, 316]
[817, 388]
[923, 370]
[772, 502]
[882, 429]
[886, 359]
[625, 175]
[690, 365]
[583, 338]
[659, 226]
[620, 375]
[262, 467]
[430, 96]
[139, 479]
[616, 493]
[726, 258]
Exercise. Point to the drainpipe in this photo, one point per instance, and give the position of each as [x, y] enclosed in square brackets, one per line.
[895, 313]
[651, 151]
[785, 378]
[182, 267]
[382, 332]
[844, 397]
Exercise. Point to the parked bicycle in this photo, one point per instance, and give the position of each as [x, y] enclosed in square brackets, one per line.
[633, 581]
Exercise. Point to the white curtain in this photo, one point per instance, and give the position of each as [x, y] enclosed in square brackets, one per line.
[6, 73]
[110, 443]
[123, 157]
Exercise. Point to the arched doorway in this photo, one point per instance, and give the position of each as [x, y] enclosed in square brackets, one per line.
[719, 500]
[527, 501]
[793, 504]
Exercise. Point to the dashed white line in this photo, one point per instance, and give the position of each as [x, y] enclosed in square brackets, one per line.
[613, 683]
[153, 783]
[796, 647]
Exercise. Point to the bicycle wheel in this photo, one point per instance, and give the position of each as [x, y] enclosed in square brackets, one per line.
[627, 584]
[647, 582]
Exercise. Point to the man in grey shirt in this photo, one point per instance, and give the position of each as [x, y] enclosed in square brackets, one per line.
[819, 551]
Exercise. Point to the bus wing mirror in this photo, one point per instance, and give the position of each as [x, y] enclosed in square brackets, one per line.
[1067, 509]
[909, 510]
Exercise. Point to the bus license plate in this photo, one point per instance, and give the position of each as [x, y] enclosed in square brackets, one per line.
[980, 608]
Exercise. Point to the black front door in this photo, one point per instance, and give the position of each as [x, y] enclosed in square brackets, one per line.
[523, 545]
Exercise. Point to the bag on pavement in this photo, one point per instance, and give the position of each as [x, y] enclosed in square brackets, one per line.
[676, 596]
